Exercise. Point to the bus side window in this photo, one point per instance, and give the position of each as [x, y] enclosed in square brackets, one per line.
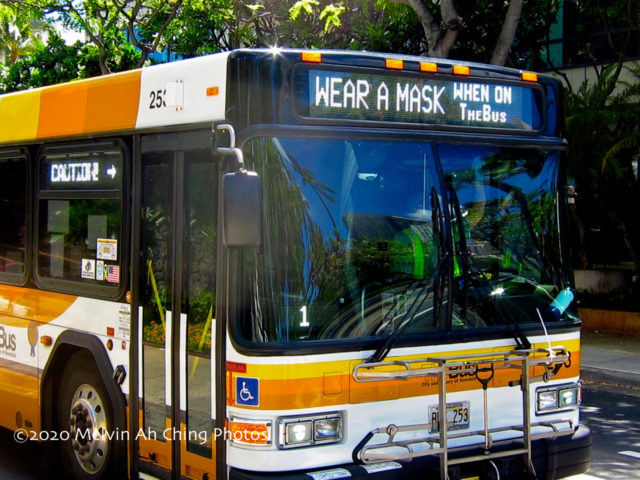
[80, 218]
[13, 214]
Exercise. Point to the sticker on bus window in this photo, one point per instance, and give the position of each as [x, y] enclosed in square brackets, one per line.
[100, 270]
[113, 273]
[107, 249]
[88, 269]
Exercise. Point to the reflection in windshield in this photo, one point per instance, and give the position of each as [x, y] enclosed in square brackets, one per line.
[507, 210]
[355, 233]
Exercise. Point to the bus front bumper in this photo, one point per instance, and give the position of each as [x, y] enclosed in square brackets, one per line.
[552, 459]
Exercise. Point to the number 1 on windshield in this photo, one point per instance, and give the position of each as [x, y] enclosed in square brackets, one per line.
[304, 322]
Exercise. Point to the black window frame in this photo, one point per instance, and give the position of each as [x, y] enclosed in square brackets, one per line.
[74, 287]
[10, 277]
[258, 349]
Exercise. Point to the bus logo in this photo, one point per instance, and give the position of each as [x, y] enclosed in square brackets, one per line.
[7, 340]
[247, 391]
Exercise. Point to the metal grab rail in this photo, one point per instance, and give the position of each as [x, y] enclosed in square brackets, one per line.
[483, 367]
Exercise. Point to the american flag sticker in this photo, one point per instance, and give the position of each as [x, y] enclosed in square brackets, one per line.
[113, 273]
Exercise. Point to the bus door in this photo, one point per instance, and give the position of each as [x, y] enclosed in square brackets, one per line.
[177, 305]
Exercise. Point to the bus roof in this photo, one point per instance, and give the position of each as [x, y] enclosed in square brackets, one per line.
[192, 91]
[185, 92]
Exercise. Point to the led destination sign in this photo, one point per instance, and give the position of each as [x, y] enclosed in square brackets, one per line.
[81, 171]
[364, 97]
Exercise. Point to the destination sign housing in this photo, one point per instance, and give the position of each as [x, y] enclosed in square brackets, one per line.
[355, 96]
[81, 171]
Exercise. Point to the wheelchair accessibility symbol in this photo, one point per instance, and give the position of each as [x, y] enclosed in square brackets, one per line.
[247, 391]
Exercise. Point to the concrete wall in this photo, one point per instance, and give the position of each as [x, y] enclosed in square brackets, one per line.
[577, 76]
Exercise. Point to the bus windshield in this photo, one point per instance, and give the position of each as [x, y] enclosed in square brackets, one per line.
[362, 236]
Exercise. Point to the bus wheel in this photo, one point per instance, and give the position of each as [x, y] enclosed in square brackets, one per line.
[84, 412]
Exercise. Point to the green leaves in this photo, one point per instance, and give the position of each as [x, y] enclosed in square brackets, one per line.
[330, 13]
[331, 16]
[302, 5]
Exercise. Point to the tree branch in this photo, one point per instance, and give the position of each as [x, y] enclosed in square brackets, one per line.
[431, 29]
[507, 33]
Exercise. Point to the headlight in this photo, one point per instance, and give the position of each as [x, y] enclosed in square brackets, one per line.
[561, 397]
[309, 430]
[298, 433]
[568, 397]
[547, 400]
[327, 429]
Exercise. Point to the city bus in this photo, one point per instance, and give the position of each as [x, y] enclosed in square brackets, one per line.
[291, 264]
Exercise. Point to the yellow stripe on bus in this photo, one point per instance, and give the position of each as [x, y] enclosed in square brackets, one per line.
[306, 370]
[87, 106]
[324, 384]
[19, 114]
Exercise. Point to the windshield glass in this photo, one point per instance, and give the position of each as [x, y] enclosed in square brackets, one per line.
[363, 236]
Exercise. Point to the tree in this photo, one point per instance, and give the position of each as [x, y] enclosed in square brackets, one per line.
[507, 33]
[603, 131]
[440, 39]
[149, 24]
[57, 62]
[469, 30]
[21, 32]
[199, 29]
[47, 64]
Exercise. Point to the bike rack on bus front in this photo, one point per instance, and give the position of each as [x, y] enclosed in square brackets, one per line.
[483, 367]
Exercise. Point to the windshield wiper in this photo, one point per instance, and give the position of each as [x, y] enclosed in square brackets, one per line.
[443, 260]
[461, 251]
[383, 350]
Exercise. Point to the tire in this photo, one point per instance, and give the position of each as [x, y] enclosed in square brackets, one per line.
[84, 417]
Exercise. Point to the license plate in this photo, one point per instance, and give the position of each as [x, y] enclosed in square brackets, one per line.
[458, 416]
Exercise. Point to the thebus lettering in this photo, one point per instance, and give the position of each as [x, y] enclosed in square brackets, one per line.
[7, 340]
[460, 375]
[75, 172]
[484, 114]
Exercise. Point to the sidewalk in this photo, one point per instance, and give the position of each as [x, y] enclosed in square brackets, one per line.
[611, 359]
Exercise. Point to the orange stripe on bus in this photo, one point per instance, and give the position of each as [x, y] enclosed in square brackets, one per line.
[38, 305]
[113, 103]
[295, 393]
[19, 394]
[93, 105]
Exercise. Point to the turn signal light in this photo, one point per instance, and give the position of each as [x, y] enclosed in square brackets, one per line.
[428, 67]
[312, 57]
[461, 70]
[394, 64]
[244, 431]
[529, 76]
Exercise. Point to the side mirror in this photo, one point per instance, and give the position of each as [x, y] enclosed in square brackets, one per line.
[241, 210]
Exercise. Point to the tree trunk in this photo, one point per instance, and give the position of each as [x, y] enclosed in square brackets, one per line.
[439, 42]
[508, 32]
